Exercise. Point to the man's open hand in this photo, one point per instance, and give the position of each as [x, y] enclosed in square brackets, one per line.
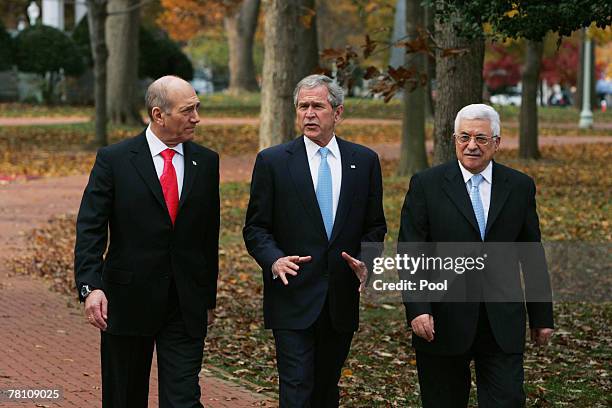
[360, 269]
[288, 265]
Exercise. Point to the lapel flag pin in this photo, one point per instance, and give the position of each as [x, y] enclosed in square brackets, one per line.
[194, 163]
[352, 166]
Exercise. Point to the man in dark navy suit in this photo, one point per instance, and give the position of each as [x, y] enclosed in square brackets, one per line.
[314, 200]
[475, 199]
[157, 194]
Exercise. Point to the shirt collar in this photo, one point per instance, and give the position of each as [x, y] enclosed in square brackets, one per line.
[156, 146]
[312, 148]
[487, 173]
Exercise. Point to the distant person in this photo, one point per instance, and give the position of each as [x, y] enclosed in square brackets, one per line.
[474, 199]
[314, 200]
[157, 196]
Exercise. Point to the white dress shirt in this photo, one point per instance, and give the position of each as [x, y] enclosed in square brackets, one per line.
[484, 187]
[156, 146]
[335, 165]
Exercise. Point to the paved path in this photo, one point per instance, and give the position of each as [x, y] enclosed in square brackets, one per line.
[44, 339]
[239, 168]
[241, 121]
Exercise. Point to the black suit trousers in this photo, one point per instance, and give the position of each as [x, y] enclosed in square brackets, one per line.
[445, 380]
[309, 363]
[126, 365]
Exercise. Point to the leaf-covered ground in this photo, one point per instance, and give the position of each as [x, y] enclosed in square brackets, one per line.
[13, 109]
[62, 150]
[225, 105]
[39, 151]
[574, 205]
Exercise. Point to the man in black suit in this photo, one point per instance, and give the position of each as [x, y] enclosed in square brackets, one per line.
[314, 200]
[475, 199]
[158, 196]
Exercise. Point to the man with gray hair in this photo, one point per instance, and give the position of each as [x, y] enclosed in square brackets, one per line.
[155, 287]
[475, 199]
[314, 200]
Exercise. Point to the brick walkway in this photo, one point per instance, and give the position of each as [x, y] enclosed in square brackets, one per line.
[44, 339]
[254, 121]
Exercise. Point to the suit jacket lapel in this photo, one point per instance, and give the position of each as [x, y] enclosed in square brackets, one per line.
[190, 171]
[300, 174]
[454, 187]
[143, 162]
[500, 190]
[347, 187]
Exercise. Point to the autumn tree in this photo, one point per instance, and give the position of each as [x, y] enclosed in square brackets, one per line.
[459, 63]
[308, 54]
[413, 156]
[186, 18]
[240, 29]
[528, 119]
[122, 31]
[12, 11]
[502, 70]
[289, 54]
[96, 18]
[531, 21]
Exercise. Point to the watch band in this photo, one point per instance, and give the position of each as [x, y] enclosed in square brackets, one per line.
[86, 291]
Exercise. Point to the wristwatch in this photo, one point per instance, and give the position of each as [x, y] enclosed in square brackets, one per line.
[85, 291]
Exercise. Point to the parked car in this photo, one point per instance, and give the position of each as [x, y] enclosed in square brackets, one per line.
[506, 99]
[202, 81]
[202, 86]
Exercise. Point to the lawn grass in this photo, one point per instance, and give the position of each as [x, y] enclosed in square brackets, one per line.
[248, 105]
[380, 371]
[14, 109]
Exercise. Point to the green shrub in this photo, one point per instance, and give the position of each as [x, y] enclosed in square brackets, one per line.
[80, 36]
[6, 49]
[158, 54]
[41, 49]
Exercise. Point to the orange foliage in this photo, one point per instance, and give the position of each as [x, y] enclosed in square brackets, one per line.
[182, 19]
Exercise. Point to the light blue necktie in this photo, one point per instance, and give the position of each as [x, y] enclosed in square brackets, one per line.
[477, 203]
[324, 192]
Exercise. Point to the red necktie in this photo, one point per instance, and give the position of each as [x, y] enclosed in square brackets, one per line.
[169, 184]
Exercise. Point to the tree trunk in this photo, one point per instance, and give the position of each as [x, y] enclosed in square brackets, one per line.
[122, 41]
[580, 77]
[528, 118]
[413, 156]
[308, 54]
[459, 83]
[96, 16]
[240, 28]
[49, 88]
[280, 71]
[397, 56]
[430, 63]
